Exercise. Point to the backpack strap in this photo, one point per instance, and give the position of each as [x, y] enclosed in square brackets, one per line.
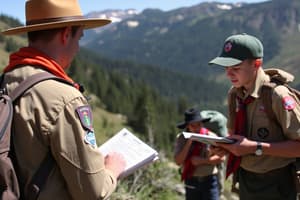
[40, 177]
[266, 97]
[31, 81]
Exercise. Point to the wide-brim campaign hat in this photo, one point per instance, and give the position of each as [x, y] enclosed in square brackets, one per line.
[51, 14]
[238, 48]
[191, 115]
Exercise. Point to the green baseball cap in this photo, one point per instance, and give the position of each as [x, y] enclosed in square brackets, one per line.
[238, 48]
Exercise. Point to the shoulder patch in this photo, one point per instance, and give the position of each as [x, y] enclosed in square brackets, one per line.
[85, 116]
[288, 103]
[90, 139]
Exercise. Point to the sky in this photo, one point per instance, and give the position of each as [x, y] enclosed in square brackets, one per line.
[17, 9]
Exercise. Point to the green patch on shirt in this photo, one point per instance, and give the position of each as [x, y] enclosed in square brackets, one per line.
[85, 116]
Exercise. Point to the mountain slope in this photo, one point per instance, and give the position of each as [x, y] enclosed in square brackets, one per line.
[167, 83]
[154, 37]
[186, 39]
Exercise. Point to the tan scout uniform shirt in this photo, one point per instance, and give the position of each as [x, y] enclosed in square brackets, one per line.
[260, 128]
[201, 170]
[45, 117]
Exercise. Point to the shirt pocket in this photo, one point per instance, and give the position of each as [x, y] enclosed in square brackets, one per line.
[264, 128]
[260, 124]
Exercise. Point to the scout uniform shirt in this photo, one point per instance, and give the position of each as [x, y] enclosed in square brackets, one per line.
[261, 128]
[56, 116]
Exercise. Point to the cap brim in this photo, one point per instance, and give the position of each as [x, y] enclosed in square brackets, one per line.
[226, 62]
[86, 23]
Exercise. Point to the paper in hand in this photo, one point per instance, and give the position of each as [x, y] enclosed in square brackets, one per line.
[136, 152]
[207, 139]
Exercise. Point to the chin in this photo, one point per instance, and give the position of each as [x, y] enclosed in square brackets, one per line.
[236, 85]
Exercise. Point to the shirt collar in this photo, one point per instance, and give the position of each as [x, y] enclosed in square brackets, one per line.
[261, 78]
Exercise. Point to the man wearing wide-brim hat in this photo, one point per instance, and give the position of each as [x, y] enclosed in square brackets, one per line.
[54, 116]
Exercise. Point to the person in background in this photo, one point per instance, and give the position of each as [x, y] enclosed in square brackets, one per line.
[217, 123]
[262, 156]
[53, 116]
[199, 165]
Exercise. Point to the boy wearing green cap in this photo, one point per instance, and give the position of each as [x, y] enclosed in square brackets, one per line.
[265, 149]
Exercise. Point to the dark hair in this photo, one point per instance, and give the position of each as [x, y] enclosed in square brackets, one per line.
[47, 35]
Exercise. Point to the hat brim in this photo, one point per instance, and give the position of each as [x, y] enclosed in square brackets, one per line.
[86, 23]
[225, 62]
[182, 125]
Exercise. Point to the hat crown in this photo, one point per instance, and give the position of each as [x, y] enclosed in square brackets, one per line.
[242, 46]
[191, 115]
[52, 14]
[37, 10]
[238, 48]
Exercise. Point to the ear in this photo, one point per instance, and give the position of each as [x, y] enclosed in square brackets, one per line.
[65, 34]
[258, 63]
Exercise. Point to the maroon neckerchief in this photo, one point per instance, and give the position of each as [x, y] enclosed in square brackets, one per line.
[233, 162]
[189, 168]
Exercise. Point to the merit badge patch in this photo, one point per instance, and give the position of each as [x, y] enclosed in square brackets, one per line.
[90, 139]
[85, 116]
[288, 103]
[263, 133]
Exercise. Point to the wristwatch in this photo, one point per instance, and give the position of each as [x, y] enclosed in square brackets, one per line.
[258, 150]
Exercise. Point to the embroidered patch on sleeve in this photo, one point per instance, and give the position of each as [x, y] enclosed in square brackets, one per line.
[90, 139]
[288, 103]
[85, 116]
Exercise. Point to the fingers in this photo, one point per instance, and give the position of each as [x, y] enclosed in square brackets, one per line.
[115, 162]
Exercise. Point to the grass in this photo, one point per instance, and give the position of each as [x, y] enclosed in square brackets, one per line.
[107, 124]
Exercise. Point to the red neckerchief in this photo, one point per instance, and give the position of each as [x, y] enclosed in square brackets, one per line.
[189, 168]
[33, 57]
[234, 162]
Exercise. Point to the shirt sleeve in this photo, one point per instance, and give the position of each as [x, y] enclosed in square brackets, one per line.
[287, 111]
[75, 151]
